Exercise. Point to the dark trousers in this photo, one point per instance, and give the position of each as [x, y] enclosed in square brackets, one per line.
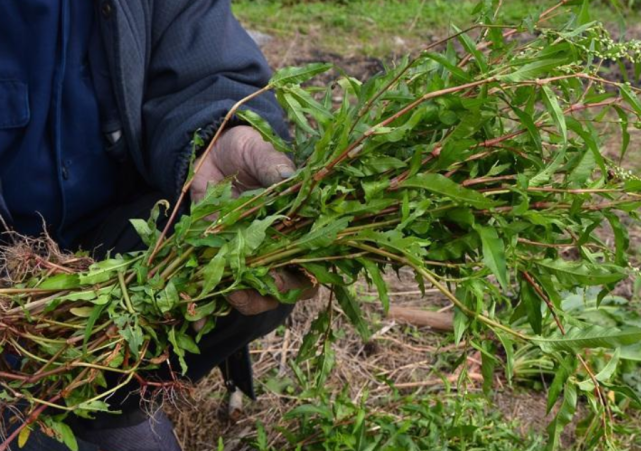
[225, 347]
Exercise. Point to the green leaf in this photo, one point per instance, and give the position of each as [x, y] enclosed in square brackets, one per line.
[375, 274]
[631, 98]
[494, 253]
[532, 304]
[608, 370]
[94, 406]
[621, 239]
[625, 391]
[552, 103]
[178, 350]
[352, 310]
[213, 271]
[584, 13]
[82, 312]
[215, 196]
[508, 347]
[132, 333]
[470, 47]
[323, 233]
[187, 343]
[563, 372]
[323, 274]
[168, 298]
[102, 271]
[583, 169]
[589, 139]
[297, 75]
[588, 338]
[625, 134]
[256, 232]
[91, 322]
[143, 230]
[310, 105]
[631, 352]
[457, 72]
[488, 363]
[295, 112]
[581, 273]
[438, 184]
[60, 282]
[237, 253]
[563, 416]
[264, 128]
[63, 433]
[23, 437]
[531, 127]
[532, 71]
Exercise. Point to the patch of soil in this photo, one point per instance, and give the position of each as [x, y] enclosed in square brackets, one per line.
[280, 54]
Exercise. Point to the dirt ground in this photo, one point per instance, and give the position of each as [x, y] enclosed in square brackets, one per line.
[413, 358]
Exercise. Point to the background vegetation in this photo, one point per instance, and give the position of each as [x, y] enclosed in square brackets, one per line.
[382, 28]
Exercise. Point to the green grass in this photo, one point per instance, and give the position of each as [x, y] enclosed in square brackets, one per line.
[373, 27]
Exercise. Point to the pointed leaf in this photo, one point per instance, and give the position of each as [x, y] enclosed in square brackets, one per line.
[438, 184]
[589, 337]
[297, 75]
[552, 103]
[494, 253]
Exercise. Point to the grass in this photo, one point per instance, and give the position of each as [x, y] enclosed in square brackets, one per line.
[383, 27]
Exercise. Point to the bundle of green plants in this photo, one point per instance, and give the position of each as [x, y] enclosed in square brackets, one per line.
[477, 163]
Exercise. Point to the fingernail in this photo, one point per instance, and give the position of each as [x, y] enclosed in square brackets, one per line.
[284, 171]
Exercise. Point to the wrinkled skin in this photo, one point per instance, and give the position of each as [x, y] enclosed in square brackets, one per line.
[242, 153]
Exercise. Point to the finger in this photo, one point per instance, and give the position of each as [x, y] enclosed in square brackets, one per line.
[291, 279]
[198, 325]
[209, 174]
[250, 302]
[264, 164]
[270, 166]
[253, 162]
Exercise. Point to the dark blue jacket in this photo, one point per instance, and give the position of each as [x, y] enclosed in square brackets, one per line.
[177, 66]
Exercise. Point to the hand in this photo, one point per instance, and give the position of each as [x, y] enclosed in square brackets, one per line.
[242, 153]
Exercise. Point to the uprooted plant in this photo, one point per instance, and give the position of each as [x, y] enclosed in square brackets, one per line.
[480, 169]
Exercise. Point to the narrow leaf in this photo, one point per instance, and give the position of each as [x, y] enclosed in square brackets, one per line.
[494, 253]
[352, 310]
[588, 338]
[438, 184]
[552, 103]
[297, 75]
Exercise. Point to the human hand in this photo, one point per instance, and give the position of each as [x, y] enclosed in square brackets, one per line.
[242, 153]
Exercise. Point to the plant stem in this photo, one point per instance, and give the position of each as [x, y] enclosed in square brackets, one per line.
[125, 293]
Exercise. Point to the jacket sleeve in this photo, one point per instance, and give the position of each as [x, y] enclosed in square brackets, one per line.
[202, 62]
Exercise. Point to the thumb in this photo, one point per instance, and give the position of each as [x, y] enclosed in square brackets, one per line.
[268, 166]
[271, 166]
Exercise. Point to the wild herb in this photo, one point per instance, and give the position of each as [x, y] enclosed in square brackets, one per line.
[479, 166]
